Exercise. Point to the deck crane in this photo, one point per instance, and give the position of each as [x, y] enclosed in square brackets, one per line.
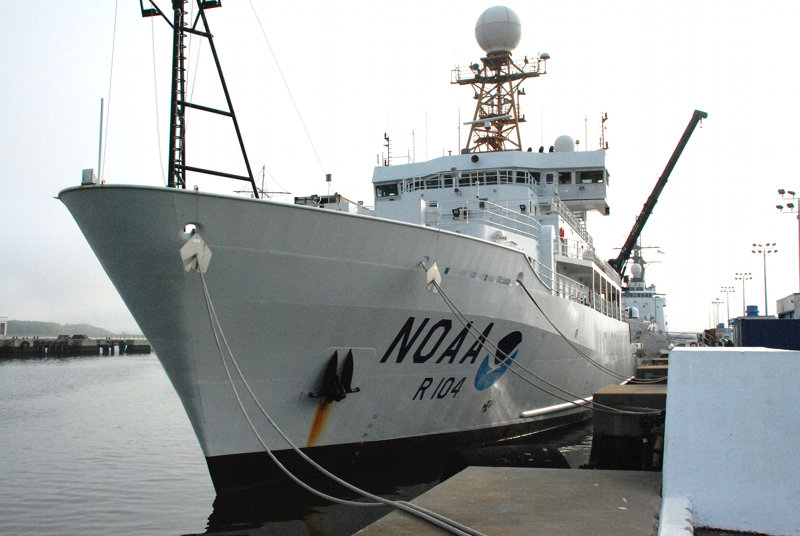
[619, 263]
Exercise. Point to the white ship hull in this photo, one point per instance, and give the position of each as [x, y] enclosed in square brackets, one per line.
[291, 285]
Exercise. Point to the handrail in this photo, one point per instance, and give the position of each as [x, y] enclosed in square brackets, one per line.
[488, 211]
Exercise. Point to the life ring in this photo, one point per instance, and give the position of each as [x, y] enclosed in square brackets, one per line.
[693, 344]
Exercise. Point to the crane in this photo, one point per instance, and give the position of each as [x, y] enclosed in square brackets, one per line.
[619, 263]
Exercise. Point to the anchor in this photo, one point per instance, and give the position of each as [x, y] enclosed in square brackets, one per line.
[334, 387]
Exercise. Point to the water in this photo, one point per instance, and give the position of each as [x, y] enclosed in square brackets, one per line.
[102, 445]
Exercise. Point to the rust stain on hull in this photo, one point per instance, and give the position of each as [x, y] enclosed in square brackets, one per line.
[320, 418]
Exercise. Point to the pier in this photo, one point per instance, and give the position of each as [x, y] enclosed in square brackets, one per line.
[71, 346]
[729, 461]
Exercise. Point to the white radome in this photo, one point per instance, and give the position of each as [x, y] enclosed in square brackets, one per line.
[498, 30]
[564, 144]
[636, 270]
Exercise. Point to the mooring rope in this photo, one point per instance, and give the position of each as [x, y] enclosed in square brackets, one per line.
[442, 522]
[580, 352]
[574, 399]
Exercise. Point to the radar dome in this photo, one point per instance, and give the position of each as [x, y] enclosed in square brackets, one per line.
[636, 270]
[564, 144]
[498, 30]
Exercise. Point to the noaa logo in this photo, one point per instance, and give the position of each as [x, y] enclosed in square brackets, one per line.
[493, 367]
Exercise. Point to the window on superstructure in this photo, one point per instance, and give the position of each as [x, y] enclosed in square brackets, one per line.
[564, 177]
[548, 178]
[592, 176]
[537, 177]
[522, 177]
[386, 190]
[432, 182]
[506, 175]
[491, 177]
[447, 178]
[464, 180]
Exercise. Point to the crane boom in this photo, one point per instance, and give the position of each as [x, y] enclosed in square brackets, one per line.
[619, 263]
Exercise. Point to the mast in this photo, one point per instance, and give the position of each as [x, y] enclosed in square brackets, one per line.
[178, 103]
[177, 121]
[496, 83]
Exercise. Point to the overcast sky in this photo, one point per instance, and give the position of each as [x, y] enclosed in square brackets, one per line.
[359, 69]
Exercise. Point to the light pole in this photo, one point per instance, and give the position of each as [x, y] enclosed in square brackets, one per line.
[716, 303]
[727, 290]
[743, 276]
[764, 250]
[790, 208]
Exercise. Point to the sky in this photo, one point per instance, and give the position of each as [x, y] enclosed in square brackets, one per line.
[341, 74]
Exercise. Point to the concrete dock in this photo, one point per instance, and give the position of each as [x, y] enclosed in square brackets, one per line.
[512, 501]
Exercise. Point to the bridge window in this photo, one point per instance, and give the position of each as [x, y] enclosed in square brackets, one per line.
[386, 190]
[593, 176]
[564, 177]
[548, 178]
[448, 180]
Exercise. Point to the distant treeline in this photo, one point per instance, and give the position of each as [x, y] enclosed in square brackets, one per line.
[29, 328]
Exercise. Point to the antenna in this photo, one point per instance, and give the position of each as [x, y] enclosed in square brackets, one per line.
[496, 82]
[603, 142]
[100, 144]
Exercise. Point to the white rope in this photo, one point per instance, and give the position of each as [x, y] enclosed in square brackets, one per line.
[286, 84]
[573, 399]
[102, 166]
[608, 371]
[435, 519]
[155, 89]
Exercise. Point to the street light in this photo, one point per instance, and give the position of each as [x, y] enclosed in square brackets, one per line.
[743, 276]
[716, 303]
[764, 250]
[727, 291]
[791, 207]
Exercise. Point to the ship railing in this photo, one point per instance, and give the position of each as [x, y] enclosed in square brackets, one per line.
[573, 221]
[557, 205]
[561, 285]
[481, 210]
[577, 249]
[607, 307]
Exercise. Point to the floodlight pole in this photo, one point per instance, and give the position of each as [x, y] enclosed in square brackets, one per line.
[743, 276]
[763, 250]
[792, 207]
[727, 290]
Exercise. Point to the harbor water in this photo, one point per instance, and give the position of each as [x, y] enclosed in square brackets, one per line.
[101, 445]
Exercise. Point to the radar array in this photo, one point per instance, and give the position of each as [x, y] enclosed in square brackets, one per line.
[496, 83]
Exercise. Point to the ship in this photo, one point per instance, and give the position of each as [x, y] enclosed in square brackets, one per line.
[644, 307]
[467, 307]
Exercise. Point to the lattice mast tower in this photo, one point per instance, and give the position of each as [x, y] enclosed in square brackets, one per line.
[496, 82]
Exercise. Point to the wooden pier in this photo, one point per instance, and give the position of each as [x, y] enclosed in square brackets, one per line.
[71, 346]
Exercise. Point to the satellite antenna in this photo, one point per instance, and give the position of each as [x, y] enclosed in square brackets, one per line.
[496, 82]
